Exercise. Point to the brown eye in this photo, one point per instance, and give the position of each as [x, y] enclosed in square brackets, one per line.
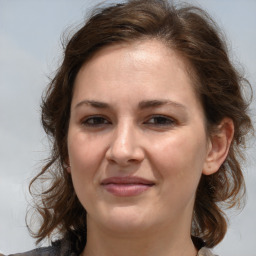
[160, 121]
[95, 121]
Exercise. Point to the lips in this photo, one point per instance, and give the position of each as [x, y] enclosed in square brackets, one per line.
[126, 186]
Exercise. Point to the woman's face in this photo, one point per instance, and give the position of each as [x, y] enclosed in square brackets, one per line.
[136, 141]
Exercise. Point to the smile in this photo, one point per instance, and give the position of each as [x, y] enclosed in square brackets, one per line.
[126, 186]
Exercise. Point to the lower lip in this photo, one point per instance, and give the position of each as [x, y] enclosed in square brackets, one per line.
[126, 190]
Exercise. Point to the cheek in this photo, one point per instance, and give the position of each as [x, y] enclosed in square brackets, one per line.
[179, 159]
[84, 151]
[85, 157]
[177, 162]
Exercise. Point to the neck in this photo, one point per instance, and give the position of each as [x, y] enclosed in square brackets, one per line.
[102, 242]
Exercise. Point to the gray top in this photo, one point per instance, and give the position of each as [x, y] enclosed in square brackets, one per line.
[64, 249]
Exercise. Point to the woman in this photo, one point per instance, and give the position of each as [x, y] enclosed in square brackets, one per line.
[147, 123]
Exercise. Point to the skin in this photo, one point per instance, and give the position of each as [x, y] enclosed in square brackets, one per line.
[116, 131]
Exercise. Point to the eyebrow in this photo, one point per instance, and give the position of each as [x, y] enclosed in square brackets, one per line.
[93, 103]
[142, 105]
[159, 103]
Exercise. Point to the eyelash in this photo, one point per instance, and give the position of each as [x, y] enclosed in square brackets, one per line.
[162, 120]
[100, 121]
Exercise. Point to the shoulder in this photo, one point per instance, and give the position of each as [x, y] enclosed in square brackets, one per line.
[45, 251]
[59, 248]
[200, 245]
[205, 252]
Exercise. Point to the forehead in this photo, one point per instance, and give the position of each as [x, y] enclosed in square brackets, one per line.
[139, 51]
[143, 66]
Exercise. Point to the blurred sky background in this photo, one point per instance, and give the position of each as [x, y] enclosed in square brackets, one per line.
[30, 51]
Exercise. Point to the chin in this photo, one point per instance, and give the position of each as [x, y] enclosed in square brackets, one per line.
[126, 219]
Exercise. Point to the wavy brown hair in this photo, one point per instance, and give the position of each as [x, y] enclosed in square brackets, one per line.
[187, 30]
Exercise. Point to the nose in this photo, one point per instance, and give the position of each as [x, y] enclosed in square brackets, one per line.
[125, 147]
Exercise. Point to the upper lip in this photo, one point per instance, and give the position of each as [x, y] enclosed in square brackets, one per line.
[126, 180]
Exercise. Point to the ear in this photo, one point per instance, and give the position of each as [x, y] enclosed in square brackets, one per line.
[219, 145]
[67, 165]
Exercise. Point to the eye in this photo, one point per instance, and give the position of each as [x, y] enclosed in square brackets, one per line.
[95, 121]
[160, 120]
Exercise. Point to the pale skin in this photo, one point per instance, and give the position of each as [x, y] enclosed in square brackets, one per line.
[135, 113]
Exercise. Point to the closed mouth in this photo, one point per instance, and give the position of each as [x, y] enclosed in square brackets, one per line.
[126, 186]
[132, 180]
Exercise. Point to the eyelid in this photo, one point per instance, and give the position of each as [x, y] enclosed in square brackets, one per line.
[155, 120]
[170, 120]
[86, 119]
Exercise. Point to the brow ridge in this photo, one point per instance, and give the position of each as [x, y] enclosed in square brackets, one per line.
[93, 103]
[158, 103]
[142, 105]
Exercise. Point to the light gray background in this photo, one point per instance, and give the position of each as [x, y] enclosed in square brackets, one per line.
[30, 50]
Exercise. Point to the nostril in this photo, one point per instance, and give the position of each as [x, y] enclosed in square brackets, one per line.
[124, 159]
[133, 160]
[124, 148]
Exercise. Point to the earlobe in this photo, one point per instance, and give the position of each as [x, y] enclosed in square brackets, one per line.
[66, 166]
[219, 145]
